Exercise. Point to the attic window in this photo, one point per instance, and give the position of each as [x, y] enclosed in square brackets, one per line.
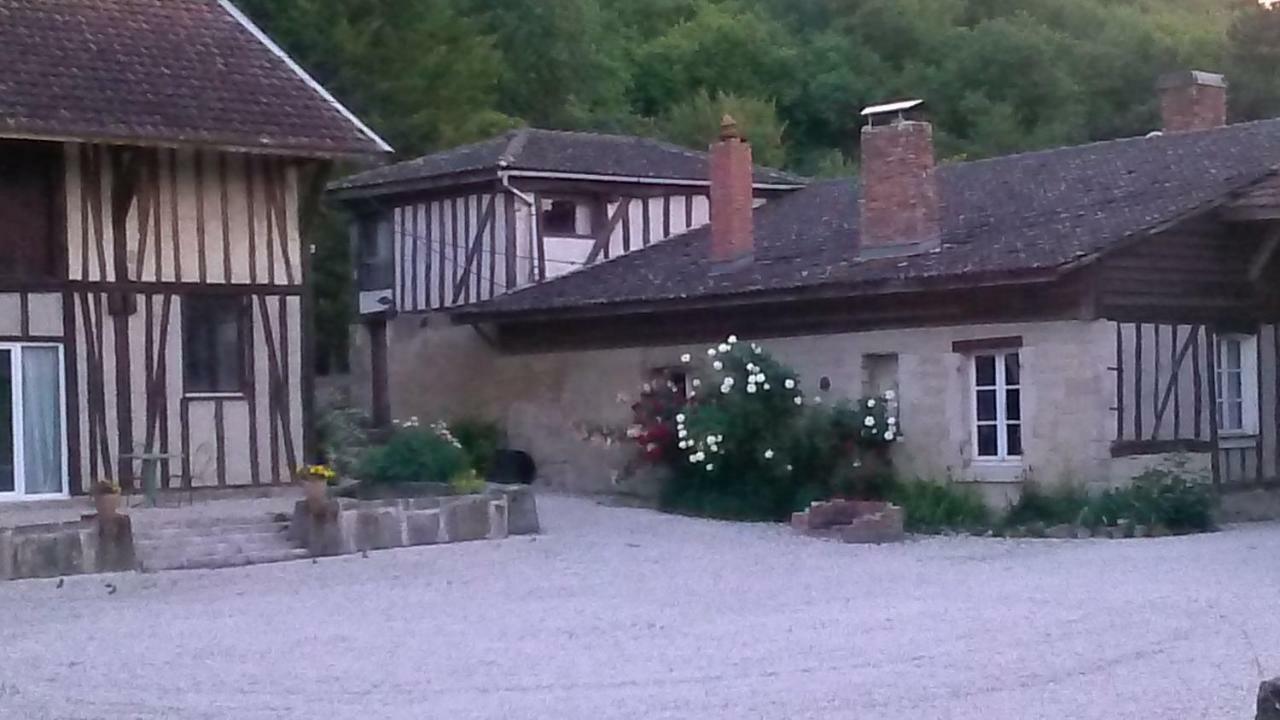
[560, 217]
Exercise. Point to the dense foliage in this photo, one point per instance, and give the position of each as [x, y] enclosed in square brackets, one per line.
[414, 454]
[741, 439]
[1000, 75]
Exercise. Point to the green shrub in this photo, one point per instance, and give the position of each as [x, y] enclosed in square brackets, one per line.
[932, 506]
[747, 444]
[342, 434]
[414, 454]
[1062, 504]
[480, 440]
[1157, 497]
[468, 482]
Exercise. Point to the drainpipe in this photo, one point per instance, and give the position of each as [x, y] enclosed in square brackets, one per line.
[504, 177]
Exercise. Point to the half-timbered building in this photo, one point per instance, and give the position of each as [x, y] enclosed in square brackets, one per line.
[1082, 313]
[156, 163]
[483, 220]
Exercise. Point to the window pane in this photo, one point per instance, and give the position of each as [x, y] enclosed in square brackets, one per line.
[1013, 405]
[986, 405]
[1012, 369]
[1235, 386]
[8, 455]
[1014, 439]
[1235, 415]
[987, 446]
[41, 421]
[985, 370]
[1232, 359]
[561, 218]
[213, 356]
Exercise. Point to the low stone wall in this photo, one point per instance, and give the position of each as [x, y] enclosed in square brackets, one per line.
[347, 526]
[852, 521]
[67, 548]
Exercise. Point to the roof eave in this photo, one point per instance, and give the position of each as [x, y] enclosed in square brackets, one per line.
[300, 151]
[722, 301]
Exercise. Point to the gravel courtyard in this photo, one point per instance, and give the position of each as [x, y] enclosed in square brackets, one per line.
[621, 613]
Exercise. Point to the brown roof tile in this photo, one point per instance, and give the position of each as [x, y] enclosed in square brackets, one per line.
[1021, 215]
[161, 71]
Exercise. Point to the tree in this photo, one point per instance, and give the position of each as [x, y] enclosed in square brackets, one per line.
[1253, 60]
[695, 123]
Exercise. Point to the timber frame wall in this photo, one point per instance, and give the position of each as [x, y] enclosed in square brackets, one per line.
[145, 229]
[468, 244]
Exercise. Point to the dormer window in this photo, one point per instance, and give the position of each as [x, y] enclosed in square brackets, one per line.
[566, 217]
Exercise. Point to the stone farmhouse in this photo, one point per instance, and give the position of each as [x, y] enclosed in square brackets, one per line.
[1077, 313]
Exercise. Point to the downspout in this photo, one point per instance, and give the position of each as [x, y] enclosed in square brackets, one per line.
[504, 177]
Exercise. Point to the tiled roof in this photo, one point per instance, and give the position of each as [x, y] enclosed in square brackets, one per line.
[1018, 215]
[558, 151]
[161, 71]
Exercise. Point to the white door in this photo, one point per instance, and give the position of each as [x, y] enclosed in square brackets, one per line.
[32, 428]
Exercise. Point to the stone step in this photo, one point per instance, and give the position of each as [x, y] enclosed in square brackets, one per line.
[198, 522]
[206, 543]
[205, 530]
[211, 535]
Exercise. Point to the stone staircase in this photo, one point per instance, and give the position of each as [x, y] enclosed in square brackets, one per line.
[191, 543]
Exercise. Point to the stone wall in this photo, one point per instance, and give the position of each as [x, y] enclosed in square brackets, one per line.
[346, 526]
[546, 399]
[67, 548]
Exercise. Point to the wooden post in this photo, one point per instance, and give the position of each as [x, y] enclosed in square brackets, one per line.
[381, 392]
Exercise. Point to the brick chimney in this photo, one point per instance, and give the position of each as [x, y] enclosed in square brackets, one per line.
[899, 203]
[1193, 100]
[732, 195]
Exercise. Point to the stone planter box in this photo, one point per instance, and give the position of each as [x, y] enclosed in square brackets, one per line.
[852, 521]
[348, 525]
[67, 548]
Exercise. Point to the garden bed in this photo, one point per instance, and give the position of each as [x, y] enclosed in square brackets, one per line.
[346, 525]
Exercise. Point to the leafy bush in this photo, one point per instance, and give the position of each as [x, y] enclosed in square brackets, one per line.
[342, 433]
[1062, 504]
[480, 440]
[414, 454]
[932, 506]
[744, 443]
[1157, 497]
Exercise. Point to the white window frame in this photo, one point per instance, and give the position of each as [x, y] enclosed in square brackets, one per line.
[15, 350]
[1248, 384]
[1002, 422]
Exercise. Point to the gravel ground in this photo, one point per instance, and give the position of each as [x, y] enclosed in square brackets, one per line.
[621, 613]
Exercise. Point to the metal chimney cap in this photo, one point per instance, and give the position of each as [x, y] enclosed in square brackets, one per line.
[900, 106]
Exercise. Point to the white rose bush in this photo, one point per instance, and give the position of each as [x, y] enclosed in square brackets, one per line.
[743, 441]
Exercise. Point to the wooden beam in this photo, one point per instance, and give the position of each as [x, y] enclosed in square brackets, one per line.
[1258, 264]
[606, 233]
[1012, 342]
[1129, 448]
[1172, 384]
[477, 242]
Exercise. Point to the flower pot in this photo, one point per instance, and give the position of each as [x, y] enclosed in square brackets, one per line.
[317, 494]
[107, 504]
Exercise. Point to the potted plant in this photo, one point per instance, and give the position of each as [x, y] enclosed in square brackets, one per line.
[106, 498]
[315, 481]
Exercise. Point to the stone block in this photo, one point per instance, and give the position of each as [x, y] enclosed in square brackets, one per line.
[423, 527]
[466, 518]
[800, 521]
[522, 510]
[882, 527]
[498, 519]
[1140, 531]
[114, 551]
[6, 554]
[1083, 533]
[378, 528]
[1269, 700]
[1061, 532]
[36, 555]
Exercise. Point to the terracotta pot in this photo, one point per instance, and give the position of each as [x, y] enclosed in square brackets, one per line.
[107, 504]
[317, 493]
